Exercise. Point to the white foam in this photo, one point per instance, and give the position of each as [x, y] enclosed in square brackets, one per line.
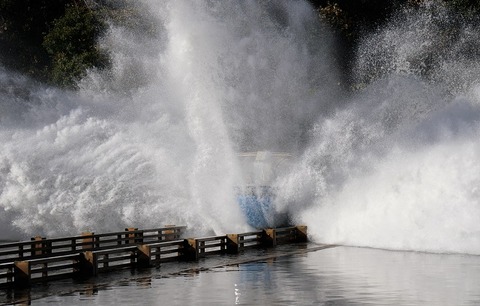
[153, 141]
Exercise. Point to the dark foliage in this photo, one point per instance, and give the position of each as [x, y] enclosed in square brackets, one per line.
[55, 41]
[50, 40]
[23, 26]
[71, 43]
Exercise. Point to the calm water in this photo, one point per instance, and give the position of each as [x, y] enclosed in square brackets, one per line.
[334, 276]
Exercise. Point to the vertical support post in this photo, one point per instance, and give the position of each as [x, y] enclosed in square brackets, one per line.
[190, 249]
[10, 274]
[47, 247]
[200, 246]
[158, 256]
[87, 241]
[119, 239]
[88, 264]
[144, 256]
[37, 246]
[139, 237]
[301, 233]
[177, 233]
[106, 260]
[233, 246]
[223, 247]
[45, 270]
[133, 259]
[74, 244]
[20, 251]
[170, 232]
[133, 237]
[22, 273]
[269, 237]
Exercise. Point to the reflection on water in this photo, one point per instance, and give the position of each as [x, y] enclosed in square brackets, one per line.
[335, 276]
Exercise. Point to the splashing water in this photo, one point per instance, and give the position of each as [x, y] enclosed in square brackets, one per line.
[154, 141]
[397, 168]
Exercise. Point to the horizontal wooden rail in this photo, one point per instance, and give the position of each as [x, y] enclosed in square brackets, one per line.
[156, 253]
[6, 274]
[43, 269]
[268, 237]
[239, 242]
[90, 254]
[196, 248]
[285, 235]
[95, 262]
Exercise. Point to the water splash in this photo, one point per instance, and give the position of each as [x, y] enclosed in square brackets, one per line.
[153, 141]
[397, 168]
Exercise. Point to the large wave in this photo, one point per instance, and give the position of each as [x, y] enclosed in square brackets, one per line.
[153, 141]
[391, 164]
[397, 167]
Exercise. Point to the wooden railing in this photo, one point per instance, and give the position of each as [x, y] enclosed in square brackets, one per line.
[153, 254]
[234, 243]
[95, 262]
[40, 247]
[200, 247]
[89, 254]
[290, 234]
[44, 269]
[6, 273]
[239, 242]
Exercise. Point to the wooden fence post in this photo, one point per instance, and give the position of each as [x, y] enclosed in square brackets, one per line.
[22, 273]
[88, 264]
[170, 232]
[301, 231]
[233, 246]
[190, 249]
[21, 252]
[144, 259]
[269, 237]
[87, 241]
[134, 236]
[37, 246]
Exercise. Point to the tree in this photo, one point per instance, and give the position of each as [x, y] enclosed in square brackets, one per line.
[72, 45]
[50, 40]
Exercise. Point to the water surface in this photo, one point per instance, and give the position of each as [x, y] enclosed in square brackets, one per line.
[334, 276]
